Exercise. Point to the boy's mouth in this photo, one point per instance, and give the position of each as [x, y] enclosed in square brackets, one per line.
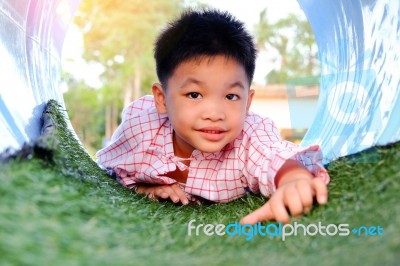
[212, 130]
[212, 134]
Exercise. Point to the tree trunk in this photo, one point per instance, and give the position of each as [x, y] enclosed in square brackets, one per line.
[128, 92]
[111, 119]
[133, 87]
[108, 121]
[310, 62]
[114, 120]
[136, 83]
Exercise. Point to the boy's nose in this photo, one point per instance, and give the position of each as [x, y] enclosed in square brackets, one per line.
[214, 111]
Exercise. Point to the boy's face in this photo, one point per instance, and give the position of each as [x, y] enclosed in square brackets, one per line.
[206, 101]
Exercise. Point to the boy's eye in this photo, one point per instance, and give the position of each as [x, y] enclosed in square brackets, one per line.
[232, 97]
[194, 95]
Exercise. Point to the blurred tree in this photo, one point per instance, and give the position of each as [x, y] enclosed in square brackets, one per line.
[85, 112]
[293, 39]
[119, 34]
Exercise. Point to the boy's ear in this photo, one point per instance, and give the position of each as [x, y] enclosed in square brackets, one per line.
[250, 99]
[159, 98]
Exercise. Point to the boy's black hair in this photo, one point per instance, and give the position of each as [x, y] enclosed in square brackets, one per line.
[203, 33]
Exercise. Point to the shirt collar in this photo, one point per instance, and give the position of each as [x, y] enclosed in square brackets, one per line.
[162, 142]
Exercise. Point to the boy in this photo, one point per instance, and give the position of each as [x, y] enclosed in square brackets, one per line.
[196, 138]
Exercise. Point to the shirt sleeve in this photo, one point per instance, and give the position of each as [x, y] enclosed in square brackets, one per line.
[266, 152]
[120, 154]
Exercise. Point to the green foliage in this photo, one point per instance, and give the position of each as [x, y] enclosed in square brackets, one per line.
[293, 39]
[120, 35]
[86, 111]
[65, 210]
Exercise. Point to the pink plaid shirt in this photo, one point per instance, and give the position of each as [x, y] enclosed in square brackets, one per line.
[141, 151]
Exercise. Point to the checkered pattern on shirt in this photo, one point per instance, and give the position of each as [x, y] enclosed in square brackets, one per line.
[141, 151]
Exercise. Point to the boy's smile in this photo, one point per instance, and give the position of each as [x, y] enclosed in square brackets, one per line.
[206, 100]
[212, 133]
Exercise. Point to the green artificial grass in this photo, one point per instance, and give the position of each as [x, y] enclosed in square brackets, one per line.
[58, 208]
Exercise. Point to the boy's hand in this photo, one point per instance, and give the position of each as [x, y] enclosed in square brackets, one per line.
[294, 196]
[172, 192]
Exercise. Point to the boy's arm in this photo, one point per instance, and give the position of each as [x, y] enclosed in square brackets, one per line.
[296, 188]
[172, 192]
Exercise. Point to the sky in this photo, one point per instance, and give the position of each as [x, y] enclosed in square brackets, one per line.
[245, 10]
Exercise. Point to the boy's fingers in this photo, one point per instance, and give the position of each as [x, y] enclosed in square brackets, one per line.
[139, 190]
[166, 192]
[143, 189]
[174, 192]
[180, 193]
[294, 203]
[306, 195]
[161, 193]
[279, 211]
[321, 191]
[261, 214]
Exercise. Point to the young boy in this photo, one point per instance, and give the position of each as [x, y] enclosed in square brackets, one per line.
[196, 138]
